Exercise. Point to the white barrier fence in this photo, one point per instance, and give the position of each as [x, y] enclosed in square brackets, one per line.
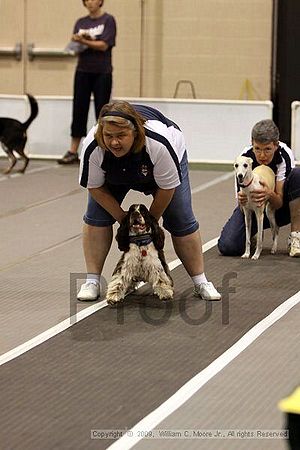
[215, 130]
[295, 129]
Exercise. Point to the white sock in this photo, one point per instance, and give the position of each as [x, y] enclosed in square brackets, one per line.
[198, 279]
[295, 233]
[93, 278]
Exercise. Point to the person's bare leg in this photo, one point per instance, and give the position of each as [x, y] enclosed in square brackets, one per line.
[96, 244]
[189, 251]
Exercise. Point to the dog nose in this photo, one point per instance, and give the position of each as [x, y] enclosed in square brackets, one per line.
[136, 218]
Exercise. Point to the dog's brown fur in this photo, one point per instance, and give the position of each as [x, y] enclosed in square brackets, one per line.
[13, 136]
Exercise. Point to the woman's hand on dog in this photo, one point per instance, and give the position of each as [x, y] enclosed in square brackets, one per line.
[242, 198]
[261, 196]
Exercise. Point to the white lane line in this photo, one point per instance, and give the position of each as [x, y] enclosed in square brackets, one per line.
[127, 441]
[67, 323]
[208, 245]
[213, 182]
[192, 386]
[39, 339]
[51, 332]
[16, 175]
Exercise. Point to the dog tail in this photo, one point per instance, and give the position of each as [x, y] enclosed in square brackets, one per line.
[34, 111]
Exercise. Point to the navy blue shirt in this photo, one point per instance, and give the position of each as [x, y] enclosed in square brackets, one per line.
[102, 28]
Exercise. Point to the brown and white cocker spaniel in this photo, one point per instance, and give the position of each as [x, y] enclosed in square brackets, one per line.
[142, 240]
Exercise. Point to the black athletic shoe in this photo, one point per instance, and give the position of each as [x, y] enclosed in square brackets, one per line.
[69, 158]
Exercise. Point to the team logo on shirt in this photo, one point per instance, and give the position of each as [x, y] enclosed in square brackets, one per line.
[144, 170]
[92, 32]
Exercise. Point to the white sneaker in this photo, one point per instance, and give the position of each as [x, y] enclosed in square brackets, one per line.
[88, 292]
[294, 243]
[206, 291]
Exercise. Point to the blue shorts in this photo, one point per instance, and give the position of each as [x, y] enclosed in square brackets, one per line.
[178, 218]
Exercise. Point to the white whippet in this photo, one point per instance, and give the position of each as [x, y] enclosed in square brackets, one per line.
[249, 180]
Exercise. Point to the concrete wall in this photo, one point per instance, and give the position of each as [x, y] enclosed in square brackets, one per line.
[222, 46]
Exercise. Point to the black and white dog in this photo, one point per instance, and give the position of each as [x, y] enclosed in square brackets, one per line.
[142, 240]
[13, 136]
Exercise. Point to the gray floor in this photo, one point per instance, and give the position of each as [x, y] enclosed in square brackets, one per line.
[115, 367]
[41, 224]
[243, 397]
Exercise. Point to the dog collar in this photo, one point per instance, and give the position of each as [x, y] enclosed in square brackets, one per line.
[245, 185]
[141, 239]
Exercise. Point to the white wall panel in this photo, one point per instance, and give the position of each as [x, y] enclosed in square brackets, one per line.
[215, 130]
[295, 129]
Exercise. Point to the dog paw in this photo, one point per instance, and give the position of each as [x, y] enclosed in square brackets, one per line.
[246, 255]
[111, 302]
[255, 257]
[113, 298]
[164, 293]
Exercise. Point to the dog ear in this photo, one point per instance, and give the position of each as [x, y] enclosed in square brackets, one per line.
[250, 161]
[122, 236]
[158, 234]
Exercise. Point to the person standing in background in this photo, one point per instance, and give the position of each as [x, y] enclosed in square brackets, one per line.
[94, 37]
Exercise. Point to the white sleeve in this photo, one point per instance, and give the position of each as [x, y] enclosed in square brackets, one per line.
[165, 153]
[88, 139]
[96, 176]
[281, 168]
[91, 175]
[165, 171]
